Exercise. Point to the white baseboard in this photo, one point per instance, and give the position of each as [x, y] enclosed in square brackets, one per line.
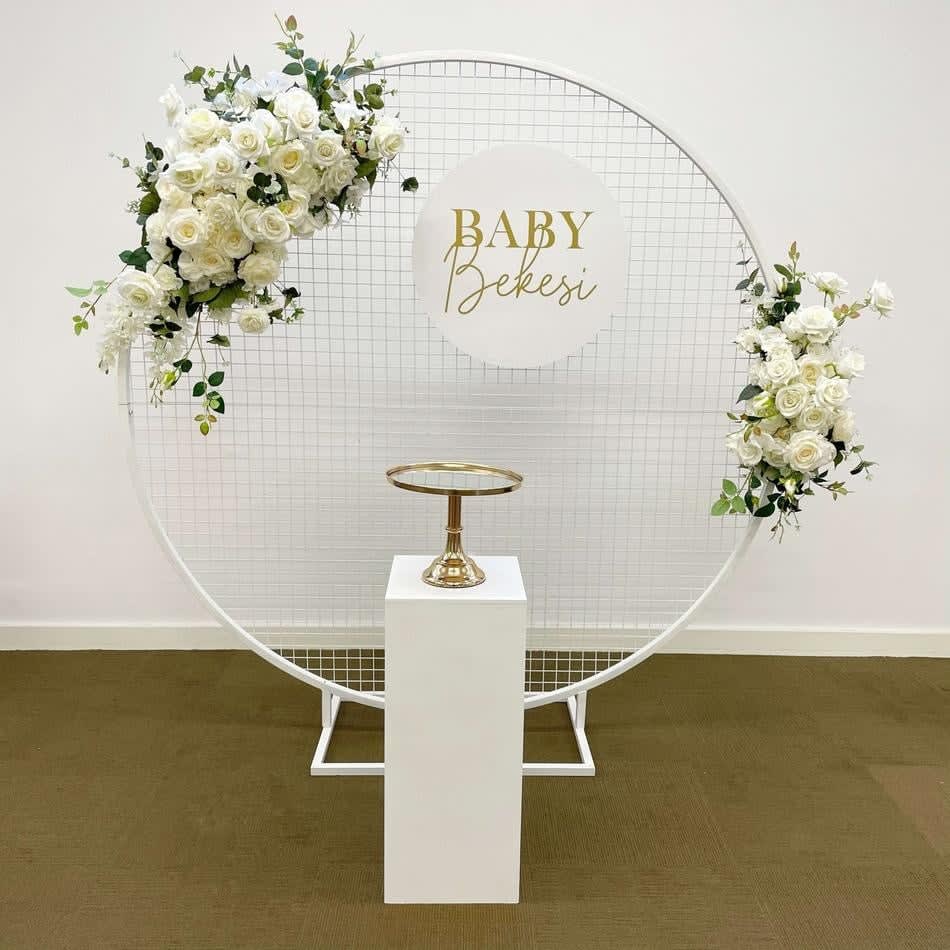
[762, 641]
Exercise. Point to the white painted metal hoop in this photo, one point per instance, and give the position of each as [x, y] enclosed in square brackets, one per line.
[531, 700]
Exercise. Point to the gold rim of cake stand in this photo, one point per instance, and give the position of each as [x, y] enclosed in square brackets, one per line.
[453, 568]
[471, 468]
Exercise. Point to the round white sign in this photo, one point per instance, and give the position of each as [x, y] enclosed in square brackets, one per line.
[519, 256]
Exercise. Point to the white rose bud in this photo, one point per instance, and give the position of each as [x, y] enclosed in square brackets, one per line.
[881, 298]
[253, 319]
[173, 103]
[828, 282]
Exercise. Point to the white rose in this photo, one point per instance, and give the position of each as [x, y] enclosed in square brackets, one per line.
[300, 110]
[140, 291]
[832, 392]
[234, 242]
[187, 228]
[249, 219]
[189, 172]
[388, 138]
[811, 369]
[814, 417]
[747, 339]
[295, 206]
[780, 368]
[807, 451]
[817, 324]
[748, 453]
[773, 449]
[253, 319]
[173, 198]
[248, 140]
[844, 427]
[199, 128]
[828, 282]
[850, 364]
[221, 210]
[273, 226]
[259, 270]
[338, 176]
[158, 250]
[881, 298]
[779, 284]
[164, 276]
[792, 325]
[265, 122]
[290, 158]
[225, 162]
[173, 103]
[762, 405]
[790, 400]
[348, 114]
[327, 149]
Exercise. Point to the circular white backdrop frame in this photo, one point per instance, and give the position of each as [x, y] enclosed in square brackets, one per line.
[144, 452]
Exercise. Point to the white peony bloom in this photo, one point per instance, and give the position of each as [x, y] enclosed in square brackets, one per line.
[221, 210]
[815, 417]
[140, 291]
[248, 140]
[747, 339]
[748, 453]
[166, 278]
[790, 400]
[259, 270]
[200, 127]
[189, 172]
[349, 114]
[780, 368]
[811, 369]
[850, 363]
[828, 282]
[844, 428]
[253, 319]
[816, 324]
[187, 228]
[387, 138]
[300, 110]
[290, 158]
[832, 392]
[881, 298]
[771, 337]
[808, 451]
[173, 103]
[327, 149]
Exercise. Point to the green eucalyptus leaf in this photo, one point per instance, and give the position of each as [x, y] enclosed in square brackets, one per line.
[720, 507]
[729, 487]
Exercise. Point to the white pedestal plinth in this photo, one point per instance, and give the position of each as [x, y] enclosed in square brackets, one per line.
[454, 735]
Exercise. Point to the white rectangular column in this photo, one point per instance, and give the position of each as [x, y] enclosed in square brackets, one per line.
[454, 735]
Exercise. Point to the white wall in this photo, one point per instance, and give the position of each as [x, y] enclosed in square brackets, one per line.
[826, 119]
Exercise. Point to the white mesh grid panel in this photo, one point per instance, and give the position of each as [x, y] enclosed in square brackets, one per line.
[283, 514]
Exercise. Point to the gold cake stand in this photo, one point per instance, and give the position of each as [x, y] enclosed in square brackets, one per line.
[453, 567]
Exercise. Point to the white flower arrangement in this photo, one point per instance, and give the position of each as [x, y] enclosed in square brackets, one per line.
[796, 426]
[261, 161]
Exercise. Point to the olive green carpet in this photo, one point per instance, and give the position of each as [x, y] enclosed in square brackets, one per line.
[160, 800]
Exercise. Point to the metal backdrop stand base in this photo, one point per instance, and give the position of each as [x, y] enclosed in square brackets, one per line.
[576, 708]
